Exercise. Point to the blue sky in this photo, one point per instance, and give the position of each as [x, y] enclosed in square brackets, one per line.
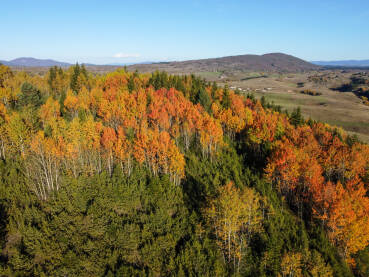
[130, 31]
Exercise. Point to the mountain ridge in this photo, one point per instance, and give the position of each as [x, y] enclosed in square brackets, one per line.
[248, 62]
[347, 63]
[33, 62]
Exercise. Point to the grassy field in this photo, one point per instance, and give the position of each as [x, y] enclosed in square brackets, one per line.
[342, 109]
[209, 75]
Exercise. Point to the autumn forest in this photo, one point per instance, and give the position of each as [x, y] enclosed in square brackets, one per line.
[136, 174]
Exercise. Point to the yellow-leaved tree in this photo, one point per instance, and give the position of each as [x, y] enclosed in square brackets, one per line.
[235, 215]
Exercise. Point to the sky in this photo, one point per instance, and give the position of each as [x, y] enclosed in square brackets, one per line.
[108, 31]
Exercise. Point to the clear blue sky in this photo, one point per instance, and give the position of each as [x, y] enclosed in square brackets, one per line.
[128, 31]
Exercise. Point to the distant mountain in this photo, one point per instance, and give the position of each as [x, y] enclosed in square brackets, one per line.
[268, 62]
[32, 62]
[273, 62]
[347, 63]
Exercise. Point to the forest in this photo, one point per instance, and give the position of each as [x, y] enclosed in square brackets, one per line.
[151, 174]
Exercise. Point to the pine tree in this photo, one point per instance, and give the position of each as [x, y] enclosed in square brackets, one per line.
[51, 78]
[296, 118]
[131, 83]
[204, 100]
[214, 89]
[74, 82]
[226, 101]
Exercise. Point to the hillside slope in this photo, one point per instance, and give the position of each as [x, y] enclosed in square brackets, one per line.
[129, 174]
[273, 62]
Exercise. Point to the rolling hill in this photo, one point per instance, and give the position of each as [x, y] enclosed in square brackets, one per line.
[273, 62]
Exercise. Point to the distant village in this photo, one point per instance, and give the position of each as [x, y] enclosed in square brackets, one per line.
[250, 89]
